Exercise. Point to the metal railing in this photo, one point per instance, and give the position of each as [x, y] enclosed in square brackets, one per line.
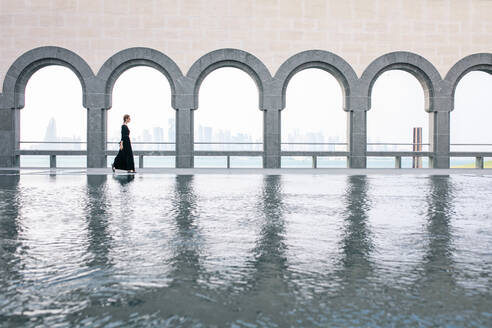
[314, 154]
[478, 155]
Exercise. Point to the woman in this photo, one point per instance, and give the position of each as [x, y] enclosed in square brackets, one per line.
[124, 159]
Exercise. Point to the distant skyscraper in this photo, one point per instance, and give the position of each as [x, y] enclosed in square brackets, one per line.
[146, 135]
[158, 134]
[207, 133]
[50, 134]
[171, 130]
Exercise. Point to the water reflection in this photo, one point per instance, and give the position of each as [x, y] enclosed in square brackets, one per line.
[438, 264]
[187, 246]
[11, 250]
[97, 216]
[269, 292]
[124, 179]
[269, 252]
[357, 243]
[10, 225]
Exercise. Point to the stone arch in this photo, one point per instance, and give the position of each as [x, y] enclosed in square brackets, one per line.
[228, 58]
[418, 66]
[27, 64]
[133, 57]
[476, 62]
[327, 61]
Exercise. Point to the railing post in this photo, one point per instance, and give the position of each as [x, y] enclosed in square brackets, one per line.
[9, 136]
[184, 138]
[140, 161]
[228, 161]
[271, 138]
[52, 161]
[315, 162]
[397, 162]
[357, 138]
[479, 162]
[96, 137]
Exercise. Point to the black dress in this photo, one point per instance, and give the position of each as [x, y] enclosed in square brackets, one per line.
[124, 159]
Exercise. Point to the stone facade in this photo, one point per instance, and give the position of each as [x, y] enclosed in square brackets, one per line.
[178, 35]
[442, 31]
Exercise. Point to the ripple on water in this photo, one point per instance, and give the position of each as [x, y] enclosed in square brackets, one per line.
[245, 250]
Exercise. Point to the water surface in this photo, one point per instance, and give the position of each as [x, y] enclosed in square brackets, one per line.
[245, 250]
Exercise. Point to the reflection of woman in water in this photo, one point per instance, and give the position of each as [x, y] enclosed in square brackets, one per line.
[124, 159]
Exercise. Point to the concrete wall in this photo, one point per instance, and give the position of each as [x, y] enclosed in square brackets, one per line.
[442, 31]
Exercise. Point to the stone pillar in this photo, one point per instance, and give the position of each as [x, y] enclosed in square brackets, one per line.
[184, 138]
[439, 135]
[9, 137]
[96, 137]
[271, 138]
[357, 139]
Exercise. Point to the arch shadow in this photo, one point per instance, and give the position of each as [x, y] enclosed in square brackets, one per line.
[133, 57]
[19, 73]
[418, 66]
[236, 58]
[327, 61]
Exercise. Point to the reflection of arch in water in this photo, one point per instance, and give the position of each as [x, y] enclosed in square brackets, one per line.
[268, 279]
[438, 263]
[96, 208]
[11, 264]
[356, 244]
[269, 252]
[186, 261]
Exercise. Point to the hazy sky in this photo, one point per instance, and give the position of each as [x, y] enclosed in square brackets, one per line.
[229, 100]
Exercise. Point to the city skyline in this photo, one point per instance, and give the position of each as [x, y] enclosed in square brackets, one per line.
[308, 94]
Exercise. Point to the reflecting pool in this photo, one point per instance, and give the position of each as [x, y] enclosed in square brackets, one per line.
[157, 250]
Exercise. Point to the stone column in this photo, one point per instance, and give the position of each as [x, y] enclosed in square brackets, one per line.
[184, 138]
[357, 138]
[96, 137]
[9, 137]
[271, 138]
[439, 135]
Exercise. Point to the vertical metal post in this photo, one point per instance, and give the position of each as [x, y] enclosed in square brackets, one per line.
[397, 162]
[52, 161]
[315, 162]
[417, 146]
[479, 162]
[140, 161]
[228, 161]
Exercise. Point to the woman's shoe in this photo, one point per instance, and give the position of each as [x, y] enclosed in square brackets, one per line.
[112, 167]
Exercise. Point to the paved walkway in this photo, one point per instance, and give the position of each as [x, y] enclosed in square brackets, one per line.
[173, 171]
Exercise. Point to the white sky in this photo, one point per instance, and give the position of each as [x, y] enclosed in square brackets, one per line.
[229, 100]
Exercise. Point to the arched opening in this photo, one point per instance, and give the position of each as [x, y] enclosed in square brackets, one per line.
[313, 119]
[470, 120]
[53, 118]
[145, 94]
[228, 119]
[397, 107]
